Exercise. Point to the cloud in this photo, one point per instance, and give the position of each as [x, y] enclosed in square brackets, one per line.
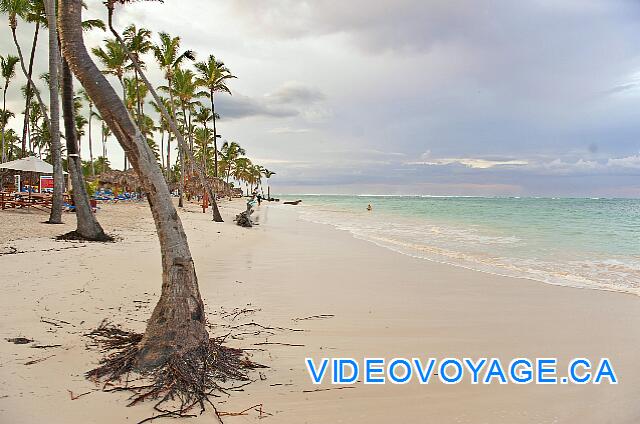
[239, 106]
[294, 92]
[625, 162]
[288, 130]
[290, 99]
[476, 163]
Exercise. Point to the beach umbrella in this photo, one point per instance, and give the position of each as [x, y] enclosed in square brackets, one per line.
[29, 164]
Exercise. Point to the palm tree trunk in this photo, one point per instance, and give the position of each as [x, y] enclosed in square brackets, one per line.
[165, 114]
[25, 125]
[162, 147]
[93, 170]
[169, 158]
[138, 103]
[124, 99]
[55, 217]
[43, 108]
[205, 152]
[181, 149]
[215, 137]
[177, 324]
[87, 225]
[104, 144]
[4, 117]
[181, 181]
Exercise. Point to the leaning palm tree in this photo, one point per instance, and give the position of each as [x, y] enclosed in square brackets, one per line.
[214, 76]
[165, 114]
[87, 227]
[15, 9]
[176, 331]
[8, 71]
[36, 14]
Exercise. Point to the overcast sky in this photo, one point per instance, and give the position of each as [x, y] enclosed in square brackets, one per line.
[534, 97]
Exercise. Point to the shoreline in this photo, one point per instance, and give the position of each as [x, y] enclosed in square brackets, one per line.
[484, 271]
[282, 274]
[487, 245]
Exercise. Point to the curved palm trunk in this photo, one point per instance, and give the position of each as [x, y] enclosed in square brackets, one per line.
[87, 225]
[55, 217]
[25, 125]
[177, 324]
[170, 119]
[43, 108]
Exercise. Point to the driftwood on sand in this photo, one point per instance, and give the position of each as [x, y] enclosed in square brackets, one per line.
[295, 202]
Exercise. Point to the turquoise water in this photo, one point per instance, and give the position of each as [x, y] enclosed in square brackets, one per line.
[587, 243]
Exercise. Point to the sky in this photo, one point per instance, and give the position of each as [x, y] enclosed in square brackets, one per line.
[440, 97]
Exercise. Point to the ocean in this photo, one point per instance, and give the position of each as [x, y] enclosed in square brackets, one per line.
[590, 243]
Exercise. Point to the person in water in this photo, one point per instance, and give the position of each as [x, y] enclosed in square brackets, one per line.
[369, 207]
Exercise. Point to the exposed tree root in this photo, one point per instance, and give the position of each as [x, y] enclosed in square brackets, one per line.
[182, 383]
[75, 236]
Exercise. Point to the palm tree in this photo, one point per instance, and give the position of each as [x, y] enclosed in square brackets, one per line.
[177, 325]
[202, 139]
[185, 91]
[11, 141]
[202, 116]
[105, 132]
[87, 226]
[114, 61]
[15, 9]
[102, 163]
[166, 115]
[135, 89]
[164, 127]
[55, 147]
[138, 42]
[228, 154]
[36, 14]
[86, 97]
[8, 71]
[268, 174]
[5, 115]
[169, 58]
[214, 76]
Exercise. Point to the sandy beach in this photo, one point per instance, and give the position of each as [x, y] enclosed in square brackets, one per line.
[351, 298]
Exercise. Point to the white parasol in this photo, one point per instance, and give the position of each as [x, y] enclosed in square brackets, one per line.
[29, 164]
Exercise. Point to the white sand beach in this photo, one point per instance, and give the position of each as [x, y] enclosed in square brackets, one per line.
[351, 298]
